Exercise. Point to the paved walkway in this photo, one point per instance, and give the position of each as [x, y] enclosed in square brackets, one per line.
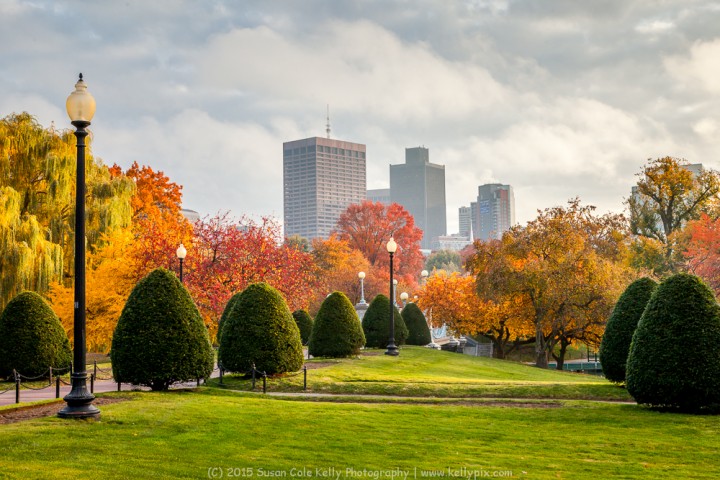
[28, 395]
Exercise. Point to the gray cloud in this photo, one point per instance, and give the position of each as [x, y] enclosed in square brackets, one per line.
[559, 99]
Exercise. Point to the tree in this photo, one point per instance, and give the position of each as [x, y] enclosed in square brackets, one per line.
[31, 337]
[454, 298]
[565, 269]
[160, 338]
[444, 260]
[368, 226]
[304, 322]
[336, 332]
[418, 331]
[703, 250]
[674, 358]
[621, 326]
[669, 194]
[37, 181]
[225, 314]
[376, 324]
[260, 331]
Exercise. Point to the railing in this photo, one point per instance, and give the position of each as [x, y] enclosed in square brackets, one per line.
[254, 373]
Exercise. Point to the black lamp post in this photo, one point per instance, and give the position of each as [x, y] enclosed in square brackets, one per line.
[392, 348]
[181, 252]
[81, 108]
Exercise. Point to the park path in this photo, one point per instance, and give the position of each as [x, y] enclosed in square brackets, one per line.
[29, 395]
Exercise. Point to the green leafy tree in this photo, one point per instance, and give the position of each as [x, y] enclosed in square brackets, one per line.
[446, 260]
[226, 313]
[376, 324]
[336, 332]
[31, 337]
[260, 330]
[418, 331]
[674, 359]
[304, 322]
[37, 182]
[620, 327]
[160, 338]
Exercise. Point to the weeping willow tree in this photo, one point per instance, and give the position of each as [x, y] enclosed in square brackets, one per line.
[37, 205]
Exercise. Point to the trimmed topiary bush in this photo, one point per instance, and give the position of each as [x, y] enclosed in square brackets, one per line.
[260, 329]
[621, 325]
[304, 322]
[418, 331]
[228, 307]
[376, 324]
[32, 338]
[336, 331]
[674, 358]
[160, 337]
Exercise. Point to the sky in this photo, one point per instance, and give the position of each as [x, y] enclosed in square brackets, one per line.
[558, 98]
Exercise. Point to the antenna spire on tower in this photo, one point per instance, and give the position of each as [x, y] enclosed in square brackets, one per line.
[327, 125]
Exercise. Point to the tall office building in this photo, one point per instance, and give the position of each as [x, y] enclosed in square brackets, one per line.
[495, 212]
[381, 195]
[321, 178]
[465, 222]
[419, 186]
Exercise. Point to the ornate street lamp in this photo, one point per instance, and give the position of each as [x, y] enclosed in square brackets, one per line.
[361, 276]
[80, 108]
[392, 348]
[424, 274]
[404, 298]
[181, 253]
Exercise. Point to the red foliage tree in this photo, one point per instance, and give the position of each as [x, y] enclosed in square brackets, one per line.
[368, 226]
[703, 250]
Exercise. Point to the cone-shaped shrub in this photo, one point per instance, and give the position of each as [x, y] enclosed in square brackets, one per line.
[376, 324]
[336, 331]
[261, 330]
[674, 358]
[228, 307]
[160, 337]
[621, 325]
[31, 337]
[304, 322]
[418, 331]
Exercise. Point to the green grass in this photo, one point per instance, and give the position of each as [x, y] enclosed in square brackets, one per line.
[185, 434]
[422, 372]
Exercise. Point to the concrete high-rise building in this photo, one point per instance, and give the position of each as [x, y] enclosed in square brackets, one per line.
[381, 195]
[419, 186]
[321, 178]
[465, 222]
[495, 211]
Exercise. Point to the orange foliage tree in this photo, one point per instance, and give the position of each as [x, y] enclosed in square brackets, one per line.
[703, 250]
[368, 226]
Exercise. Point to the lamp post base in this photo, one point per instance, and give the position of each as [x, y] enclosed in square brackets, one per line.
[79, 400]
[392, 350]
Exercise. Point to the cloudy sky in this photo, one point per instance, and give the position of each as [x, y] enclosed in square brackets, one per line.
[557, 98]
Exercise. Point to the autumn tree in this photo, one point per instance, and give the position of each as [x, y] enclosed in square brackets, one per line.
[368, 226]
[670, 192]
[453, 299]
[703, 250]
[566, 267]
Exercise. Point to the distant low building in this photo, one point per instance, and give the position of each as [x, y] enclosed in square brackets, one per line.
[381, 195]
[455, 242]
[191, 215]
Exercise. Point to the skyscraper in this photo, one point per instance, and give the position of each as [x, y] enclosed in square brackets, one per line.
[321, 178]
[495, 212]
[419, 186]
[465, 222]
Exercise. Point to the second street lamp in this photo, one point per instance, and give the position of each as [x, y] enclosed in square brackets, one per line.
[404, 298]
[361, 276]
[80, 108]
[392, 349]
[181, 252]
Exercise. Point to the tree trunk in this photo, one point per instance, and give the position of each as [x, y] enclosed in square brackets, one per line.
[541, 355]
[561, 358]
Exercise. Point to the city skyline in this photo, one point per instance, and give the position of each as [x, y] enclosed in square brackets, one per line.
[558, 99]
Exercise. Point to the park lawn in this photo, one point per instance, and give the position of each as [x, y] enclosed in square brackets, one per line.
[420, 371]
[185, 434]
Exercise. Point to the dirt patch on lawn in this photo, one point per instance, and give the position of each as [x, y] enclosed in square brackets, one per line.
[316, 365]
[45, 410]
